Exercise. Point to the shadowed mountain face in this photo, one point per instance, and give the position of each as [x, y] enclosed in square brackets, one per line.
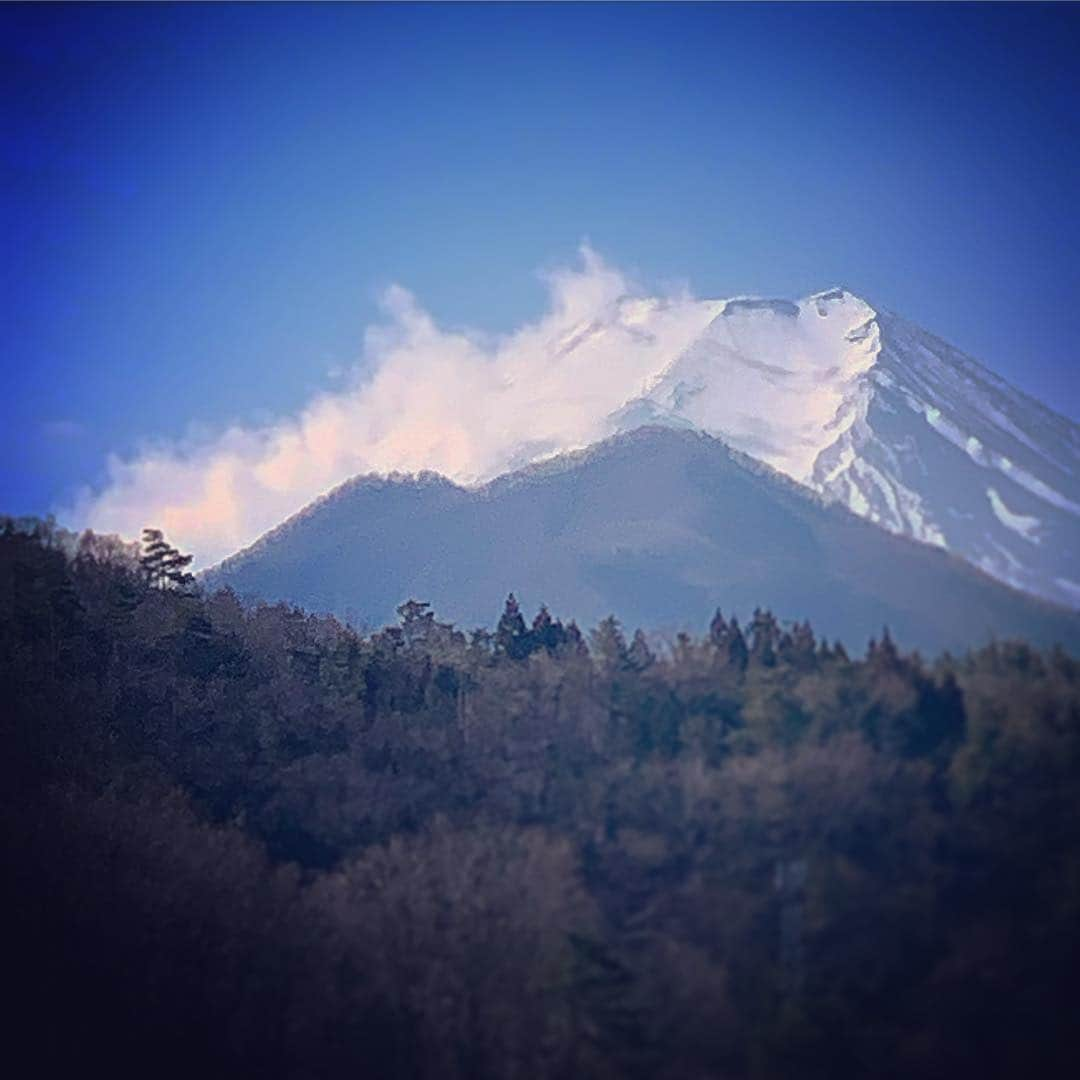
[658, 526]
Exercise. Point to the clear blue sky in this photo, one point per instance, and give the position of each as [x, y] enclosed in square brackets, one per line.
[200, 204]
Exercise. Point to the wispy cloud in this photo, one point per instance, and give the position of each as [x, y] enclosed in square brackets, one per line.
[461, 403]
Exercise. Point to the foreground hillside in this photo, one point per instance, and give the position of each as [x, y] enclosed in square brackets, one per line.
[658, 525]
[252, 842]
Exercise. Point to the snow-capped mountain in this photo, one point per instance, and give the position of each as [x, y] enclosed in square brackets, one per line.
[883, 417]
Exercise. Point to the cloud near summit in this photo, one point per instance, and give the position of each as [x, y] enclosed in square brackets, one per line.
[460, 403]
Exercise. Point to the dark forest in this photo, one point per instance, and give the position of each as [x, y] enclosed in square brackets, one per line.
[244, 840]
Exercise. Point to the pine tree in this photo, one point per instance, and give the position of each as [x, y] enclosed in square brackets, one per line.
[153, 555]
[511, 636]
[417, 621]
[764, 638]
[728, 640]
[884, 655]
[609, 644]
[176, 572]
[640, 655]
[547, 633]
[798, 646]
[575, 640]
[163, 566]
[738, 653]
[718, 630]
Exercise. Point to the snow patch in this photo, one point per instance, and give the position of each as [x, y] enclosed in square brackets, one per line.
[856, 501]
[1021, 524]
[843, 463]
[975, 450]
[1035, 485]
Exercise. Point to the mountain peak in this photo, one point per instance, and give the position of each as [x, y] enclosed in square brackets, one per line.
[837, 294]
[772, 377]
[740, 304]
[871, 411]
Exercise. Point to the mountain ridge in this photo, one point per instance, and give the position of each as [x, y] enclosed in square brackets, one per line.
[588, 534]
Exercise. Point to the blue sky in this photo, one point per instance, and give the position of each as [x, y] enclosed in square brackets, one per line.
[202, 205]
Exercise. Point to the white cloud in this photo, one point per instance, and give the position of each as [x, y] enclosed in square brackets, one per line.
[464, 404]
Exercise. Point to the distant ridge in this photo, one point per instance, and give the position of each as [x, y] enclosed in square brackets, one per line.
[658, 526]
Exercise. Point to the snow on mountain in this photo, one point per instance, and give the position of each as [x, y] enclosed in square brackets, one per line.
[890, 421]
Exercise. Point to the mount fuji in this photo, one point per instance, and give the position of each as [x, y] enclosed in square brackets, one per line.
[876, 414]
[813, 414]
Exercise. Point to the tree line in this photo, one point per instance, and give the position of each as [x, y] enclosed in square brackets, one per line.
[245, 839]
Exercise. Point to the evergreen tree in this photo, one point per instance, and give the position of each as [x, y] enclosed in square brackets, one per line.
[738, 653]
[153, 555]
[176, 572]
[718, 630]
[163, 566]
[884, 654]
[417, 621]
[609, 644]
[511, 636]
[575, 640]
[728, 640]
[546, 633]
[764, 638]
[640, 655]
[798, 646]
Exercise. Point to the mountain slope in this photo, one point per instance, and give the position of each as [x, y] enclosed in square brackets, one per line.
[875, 413]
[658, 526]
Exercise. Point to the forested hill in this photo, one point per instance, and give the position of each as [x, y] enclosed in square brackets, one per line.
[251, 842]
[657, 525]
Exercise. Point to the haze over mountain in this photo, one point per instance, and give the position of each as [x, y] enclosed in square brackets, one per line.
[657, 525]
